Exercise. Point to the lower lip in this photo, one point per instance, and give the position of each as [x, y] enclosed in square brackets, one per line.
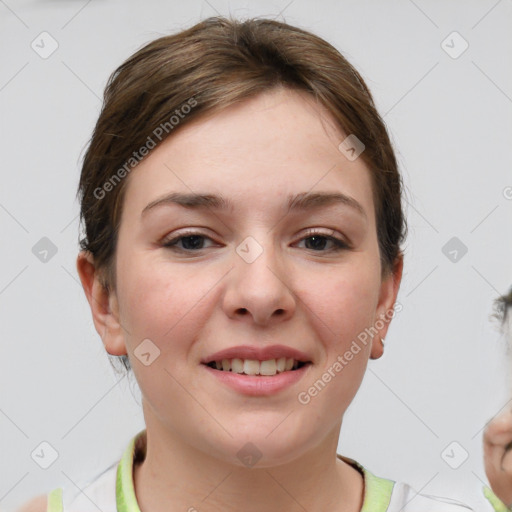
[255, 385]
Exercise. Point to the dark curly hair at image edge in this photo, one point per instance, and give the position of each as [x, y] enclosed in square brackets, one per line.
[221, 62]
[503, 307]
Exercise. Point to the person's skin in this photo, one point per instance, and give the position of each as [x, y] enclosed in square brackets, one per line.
[498, 433]
[192, 304]
[498, 455]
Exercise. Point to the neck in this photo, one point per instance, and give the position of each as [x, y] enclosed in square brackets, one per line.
[177, 476]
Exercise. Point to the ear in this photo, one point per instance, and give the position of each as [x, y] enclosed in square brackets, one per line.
[385, 312]
[104, 305]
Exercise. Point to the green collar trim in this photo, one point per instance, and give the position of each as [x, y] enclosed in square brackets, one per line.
[496, 503]
[126, 500]
[377, 491]
[55, 503]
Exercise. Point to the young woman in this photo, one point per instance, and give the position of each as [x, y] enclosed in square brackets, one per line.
[242, 256]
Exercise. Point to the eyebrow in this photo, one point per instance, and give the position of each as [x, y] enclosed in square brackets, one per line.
[299, 202]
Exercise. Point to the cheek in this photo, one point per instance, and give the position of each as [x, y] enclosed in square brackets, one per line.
[341, 309]
[161, 303]
[343, 303]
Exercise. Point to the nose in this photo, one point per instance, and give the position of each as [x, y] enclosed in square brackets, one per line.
[259, 291]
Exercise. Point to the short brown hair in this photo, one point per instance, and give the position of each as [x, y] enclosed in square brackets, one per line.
[210, 66]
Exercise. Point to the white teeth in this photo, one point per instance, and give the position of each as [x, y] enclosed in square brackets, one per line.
[237, 366]
[251, 367]
[268, 367]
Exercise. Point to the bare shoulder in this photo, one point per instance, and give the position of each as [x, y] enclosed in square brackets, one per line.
[37, 504]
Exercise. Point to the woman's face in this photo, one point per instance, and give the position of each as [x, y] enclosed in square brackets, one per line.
[246, 271]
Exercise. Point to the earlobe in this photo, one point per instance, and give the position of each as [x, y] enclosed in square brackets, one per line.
[103, 304]
[386, 307]
[377, 348]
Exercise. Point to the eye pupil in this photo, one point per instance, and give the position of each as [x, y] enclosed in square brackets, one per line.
[192, 242]
[318, 242]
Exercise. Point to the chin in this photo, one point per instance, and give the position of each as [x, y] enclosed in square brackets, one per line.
[261, 449]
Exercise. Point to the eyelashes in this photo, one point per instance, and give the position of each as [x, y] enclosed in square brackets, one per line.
[315, 241]
[191, 240]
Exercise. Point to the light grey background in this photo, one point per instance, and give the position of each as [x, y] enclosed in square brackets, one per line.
[443, 374]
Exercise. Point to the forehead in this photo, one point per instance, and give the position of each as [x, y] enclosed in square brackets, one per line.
[259, 151]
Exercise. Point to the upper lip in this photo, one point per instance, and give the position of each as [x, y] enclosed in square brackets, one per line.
[257, 353]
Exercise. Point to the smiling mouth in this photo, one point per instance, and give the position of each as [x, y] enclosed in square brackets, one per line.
[255, 367]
